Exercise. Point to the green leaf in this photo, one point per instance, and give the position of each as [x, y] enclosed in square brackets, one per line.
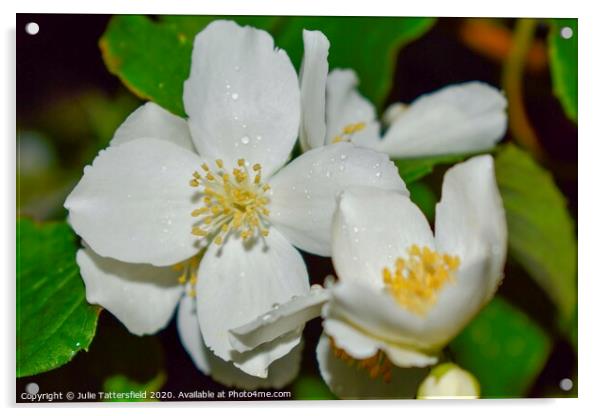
[191, 25]
[308, 387]
[132, 390]
[54, 320]
[150, 58]
[413, 169]
[504, 350]
[424, 197]
[563, 64]
[369, 45]
[540, 229]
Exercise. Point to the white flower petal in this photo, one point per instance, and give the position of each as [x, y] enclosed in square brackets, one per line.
[152, 121]
[191, 337]
[345, 106]
[238, 282]
[314, 70]
[280, 373]
[304, 192]
[380, 317]
[349, 382]
[287, 317]
[242, 97]
[134, 203]
[470, 218]
[371, 229]
[141, 296]
[461, 118]
[257, 361]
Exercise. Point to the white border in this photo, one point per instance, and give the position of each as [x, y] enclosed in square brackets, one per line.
[590, 287]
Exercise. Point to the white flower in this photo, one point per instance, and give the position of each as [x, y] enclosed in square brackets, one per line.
[462, 118]
[403, 293]
[169, 190]
[448, 381]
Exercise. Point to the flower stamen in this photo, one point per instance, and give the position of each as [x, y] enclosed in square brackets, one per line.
[377, 366]
[233, 202]
[188, 272]
[348, 131]
[416, 280]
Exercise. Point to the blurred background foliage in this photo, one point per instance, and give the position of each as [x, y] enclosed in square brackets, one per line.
[73, 92]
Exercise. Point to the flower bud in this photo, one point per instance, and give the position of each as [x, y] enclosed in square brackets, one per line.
[448, 381]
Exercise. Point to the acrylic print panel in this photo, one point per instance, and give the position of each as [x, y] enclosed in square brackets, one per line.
[219, 208]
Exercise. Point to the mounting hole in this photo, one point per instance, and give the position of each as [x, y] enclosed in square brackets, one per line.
[566, 32]
[32, 28]
[566, 384]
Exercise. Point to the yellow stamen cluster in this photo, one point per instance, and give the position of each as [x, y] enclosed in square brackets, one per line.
[417, 279]
[232, 202]
[188, 272]
[348, 131]
[378, 365]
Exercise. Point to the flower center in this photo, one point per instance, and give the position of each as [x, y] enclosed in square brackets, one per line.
[378, 365]
[416, 280]
[233, 202]
[348, 131]
[188, 272]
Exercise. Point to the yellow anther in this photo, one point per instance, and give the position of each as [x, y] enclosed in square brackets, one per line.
[205, 167]
[256, 167]
[199, 232]
[353, 128]
[241, 162]
[257, 179]
[210, 177]
[338, 139]
[194, 183]
[218, 240]
[348, 131]
[189, 269]
[416, 280]
[196, 175]
[219, 163]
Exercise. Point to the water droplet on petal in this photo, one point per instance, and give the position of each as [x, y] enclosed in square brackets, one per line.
[237, 68]
[378, 174]
[342, 168]
[356, 230]
[258, 138]
[343, 157]
[275, 306]
[244, 140]
[267, 317]
[234, 96]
